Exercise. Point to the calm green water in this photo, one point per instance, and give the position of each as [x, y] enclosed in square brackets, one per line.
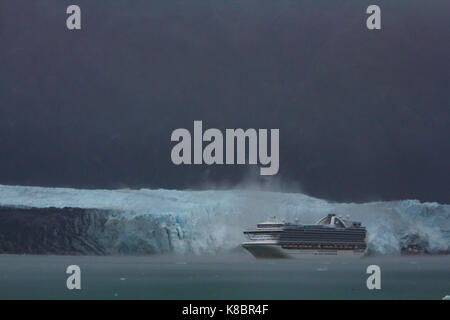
[232, 276]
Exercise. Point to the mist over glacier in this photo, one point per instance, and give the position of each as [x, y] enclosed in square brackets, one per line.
[182, 222]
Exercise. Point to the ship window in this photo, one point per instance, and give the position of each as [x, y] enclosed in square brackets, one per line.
[269, 225]
[338, 222]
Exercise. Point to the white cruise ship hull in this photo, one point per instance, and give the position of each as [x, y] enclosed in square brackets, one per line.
[274, 250]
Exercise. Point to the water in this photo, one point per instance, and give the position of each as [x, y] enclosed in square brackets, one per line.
[231, 276]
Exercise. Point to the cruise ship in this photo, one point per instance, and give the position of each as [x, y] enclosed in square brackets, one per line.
[330, 236]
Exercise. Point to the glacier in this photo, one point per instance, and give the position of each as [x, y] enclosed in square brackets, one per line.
[146, 221]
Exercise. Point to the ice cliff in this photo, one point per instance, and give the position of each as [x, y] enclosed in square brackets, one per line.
[73, 221]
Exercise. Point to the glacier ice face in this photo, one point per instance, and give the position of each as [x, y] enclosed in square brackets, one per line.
[143, 221]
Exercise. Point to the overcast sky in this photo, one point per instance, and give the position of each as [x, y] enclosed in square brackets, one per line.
[363, 115]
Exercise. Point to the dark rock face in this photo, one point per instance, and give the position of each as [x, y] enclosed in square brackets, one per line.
[73, 231]
[51, 230]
